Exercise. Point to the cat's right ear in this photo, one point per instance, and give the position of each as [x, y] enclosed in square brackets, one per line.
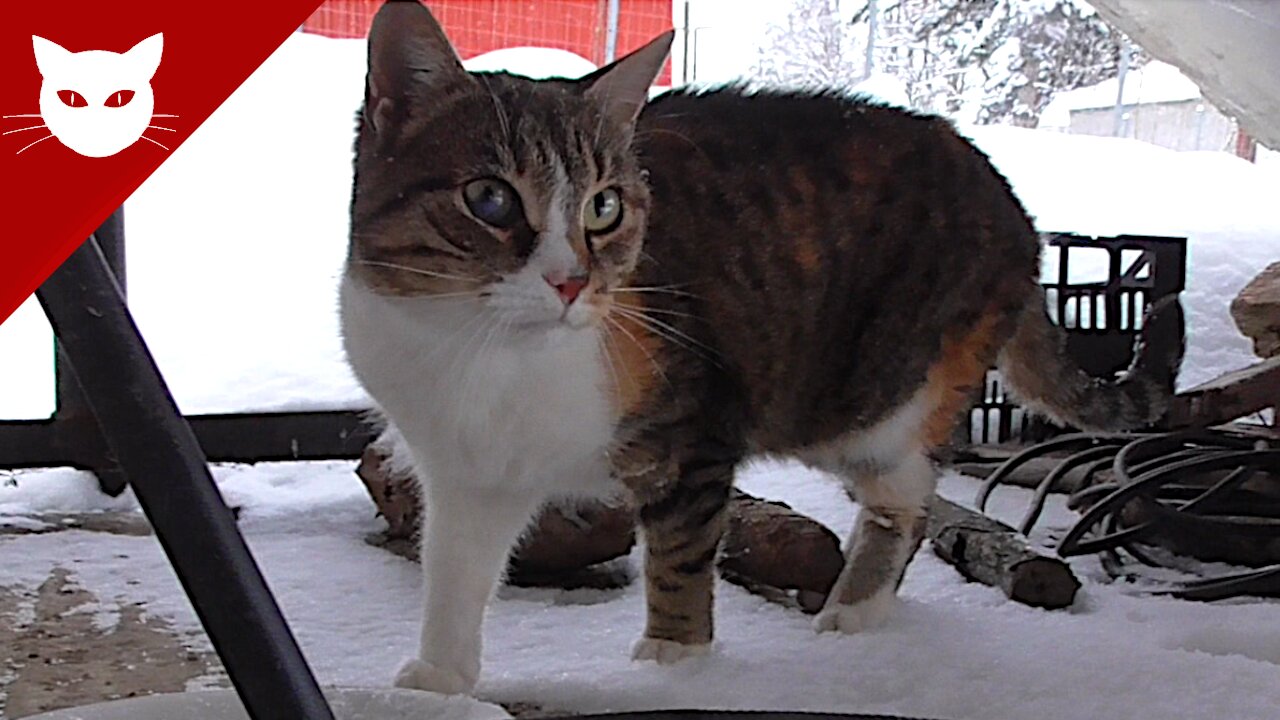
[49, 54]
[410, 59]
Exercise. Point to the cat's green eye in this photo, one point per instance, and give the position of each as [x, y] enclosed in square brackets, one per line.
[493, 201]
[603, 212]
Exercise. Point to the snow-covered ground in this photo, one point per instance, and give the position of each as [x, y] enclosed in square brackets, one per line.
[234, 249]
[954, 650]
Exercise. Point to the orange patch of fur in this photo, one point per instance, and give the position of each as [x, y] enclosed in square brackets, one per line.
[633, 355]
[961, 369]
[807, 253]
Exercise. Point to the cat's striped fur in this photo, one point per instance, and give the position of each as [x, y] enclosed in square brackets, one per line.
[799, 275]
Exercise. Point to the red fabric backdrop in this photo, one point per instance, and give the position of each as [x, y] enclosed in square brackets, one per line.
[478, 26]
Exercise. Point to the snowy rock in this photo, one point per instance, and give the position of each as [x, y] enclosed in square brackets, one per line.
[1256, 311]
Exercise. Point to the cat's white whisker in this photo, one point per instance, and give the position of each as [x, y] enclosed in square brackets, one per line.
[454, 295]
[28, 115]
[471, 370]
[416, 271]
[671, 333]
[156, 115]
[497, 331]
[157, 127]
[603, 344]
[153, 142]
[28, 147]
[660, 311]
[663, 289]
[657, 367]
[33, 127]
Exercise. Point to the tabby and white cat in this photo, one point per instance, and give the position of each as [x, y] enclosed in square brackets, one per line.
[556, 290]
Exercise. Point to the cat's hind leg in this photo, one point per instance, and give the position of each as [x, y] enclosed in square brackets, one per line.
[888, 471]
[682, 520]
[467, 535]
[887, 531]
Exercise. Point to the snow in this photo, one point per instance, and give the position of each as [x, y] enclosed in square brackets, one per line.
[347, 704]
[234, 249]
[953, 650]
[534, 62]
[884, 88]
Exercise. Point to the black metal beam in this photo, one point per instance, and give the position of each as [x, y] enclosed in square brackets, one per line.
[242, 438]
[70, 406]
[171, 479]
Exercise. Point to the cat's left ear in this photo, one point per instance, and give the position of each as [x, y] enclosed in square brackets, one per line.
[49, 54]
[145, 56]
[623, 86]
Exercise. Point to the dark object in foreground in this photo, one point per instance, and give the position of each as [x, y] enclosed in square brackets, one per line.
[990, 552]
[166, 468]
[728, 715]
[1210, 494]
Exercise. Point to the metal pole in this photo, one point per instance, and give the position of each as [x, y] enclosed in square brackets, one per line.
[873, 28]
[111, 239]
[1118, 126]
[686, 58]
[70, 406]
[140, 420]
[611, 32]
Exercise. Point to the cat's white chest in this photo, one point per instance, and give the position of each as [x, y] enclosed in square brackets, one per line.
[477, 408]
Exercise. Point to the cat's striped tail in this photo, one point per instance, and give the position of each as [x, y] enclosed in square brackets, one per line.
[1045, 378]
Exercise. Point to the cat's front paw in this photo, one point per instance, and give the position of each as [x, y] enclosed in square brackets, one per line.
[849, 619]
[666, 652]
[419, 675]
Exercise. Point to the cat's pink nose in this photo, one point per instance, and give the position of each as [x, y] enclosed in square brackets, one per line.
[568, 288]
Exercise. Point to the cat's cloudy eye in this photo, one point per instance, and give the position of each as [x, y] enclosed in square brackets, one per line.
[493, 201]
[603, 211]
[119, 98]
[71, 98]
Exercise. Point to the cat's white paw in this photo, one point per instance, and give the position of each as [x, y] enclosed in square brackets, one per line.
[849, 619]
[418, 675]
[666, 652]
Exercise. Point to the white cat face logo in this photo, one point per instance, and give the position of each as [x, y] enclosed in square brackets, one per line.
[97, 102]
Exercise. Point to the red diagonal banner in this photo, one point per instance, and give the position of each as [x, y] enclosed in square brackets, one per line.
[95, 96]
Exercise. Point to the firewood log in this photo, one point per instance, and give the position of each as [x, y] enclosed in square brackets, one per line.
[992, 553]
[776, 552]
[562, 541]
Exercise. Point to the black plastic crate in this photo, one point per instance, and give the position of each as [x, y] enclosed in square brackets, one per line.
[1102, 318]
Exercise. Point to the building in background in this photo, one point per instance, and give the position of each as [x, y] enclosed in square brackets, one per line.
[1160, 105]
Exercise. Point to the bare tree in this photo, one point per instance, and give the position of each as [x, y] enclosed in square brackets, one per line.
[812, 47]
[985, 61]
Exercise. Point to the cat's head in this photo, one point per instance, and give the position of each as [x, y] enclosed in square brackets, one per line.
[523, 196]
[97, 102]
